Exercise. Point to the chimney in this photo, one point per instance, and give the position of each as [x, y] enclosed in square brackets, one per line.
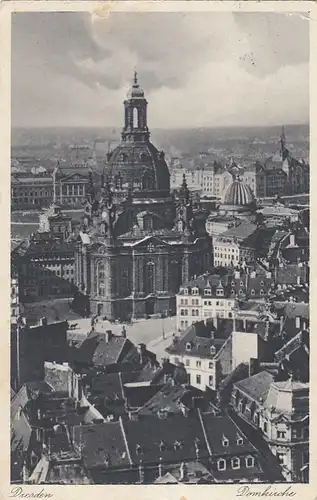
[281, 324]
[253, 366]
[183, 472]
[292, 240]
[141, 350]
[141, 472]
[160, 467]
[43, 321]
[184, 410]
[108, 336]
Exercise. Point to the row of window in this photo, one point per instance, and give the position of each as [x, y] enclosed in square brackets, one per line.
[195, 312]
[222, 464]
[195, 302]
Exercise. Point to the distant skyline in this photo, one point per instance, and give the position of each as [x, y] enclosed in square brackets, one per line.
[197, 70]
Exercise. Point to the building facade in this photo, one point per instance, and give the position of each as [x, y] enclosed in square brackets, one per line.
[40, 190]
[280, 410]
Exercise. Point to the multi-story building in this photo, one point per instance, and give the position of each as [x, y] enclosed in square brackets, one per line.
[215, 296]
[15, 300]
[37, 190]
[208, 296]
[235, 246]
[45, 267]
[194, 176]
[255, 177]
[280, 411]
[211, 353]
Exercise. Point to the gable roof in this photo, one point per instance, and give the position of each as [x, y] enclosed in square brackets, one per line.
[257, 386]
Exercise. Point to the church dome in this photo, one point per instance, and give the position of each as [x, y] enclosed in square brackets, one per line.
[238, 193]
[140, 166]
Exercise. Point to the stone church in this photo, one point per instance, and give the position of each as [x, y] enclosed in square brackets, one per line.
[137, 243]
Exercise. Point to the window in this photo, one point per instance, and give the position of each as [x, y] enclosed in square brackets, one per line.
[188, 346]
[239, 441]
[198, 379]
[252, 292]
[280, 457]
[281, 434]
[235, 463]
[211, 380]
[249, 462]
[261, 292]
[182, 312]
[182, 302]
[193, 312]
[187, 362]
[225, 441]
[211, 365]
[198, 364]
[221, 464]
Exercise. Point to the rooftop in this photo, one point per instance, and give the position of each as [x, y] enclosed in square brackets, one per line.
[257, 386]
[197, 341]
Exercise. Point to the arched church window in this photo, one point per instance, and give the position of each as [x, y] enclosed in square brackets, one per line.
[175, 274]
[135, 118]
[149, 278]
[100, 278]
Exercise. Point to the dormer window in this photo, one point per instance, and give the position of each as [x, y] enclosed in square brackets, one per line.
[177, 445]
[212, 350]
[239, 441]
[241, 283]
[233, 283]
[195, 291]
[262, 283]
[188, 346]
[252, 292]
[185, 291]
[138, 449]
[162, 446]
[235, 463]
[219, 292]
[221, 464]
[225, 441]
[261, 292]
[207, 291]
[249, 461]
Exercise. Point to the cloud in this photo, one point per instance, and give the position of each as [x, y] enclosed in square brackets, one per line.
[197, 69]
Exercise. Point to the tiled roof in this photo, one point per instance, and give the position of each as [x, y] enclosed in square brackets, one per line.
[241, 232]
[198, 337]
[95, 350]
[101, 441]
[170, 396]
[218, 427]
[257, 386]
[150, 431]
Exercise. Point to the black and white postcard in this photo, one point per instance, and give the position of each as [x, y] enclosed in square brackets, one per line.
[157, 165]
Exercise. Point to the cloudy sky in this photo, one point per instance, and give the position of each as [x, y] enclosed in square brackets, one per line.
[210, 69]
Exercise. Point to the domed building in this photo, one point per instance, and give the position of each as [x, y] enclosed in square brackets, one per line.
[239, 200]
[136, 167]
[238, 204]
[137, 244]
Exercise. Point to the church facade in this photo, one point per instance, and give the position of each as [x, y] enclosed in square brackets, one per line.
[138, 244]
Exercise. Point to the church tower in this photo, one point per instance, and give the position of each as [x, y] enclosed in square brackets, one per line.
[135, 115]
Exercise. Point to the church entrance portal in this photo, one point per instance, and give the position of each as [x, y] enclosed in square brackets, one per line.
[149, 307]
